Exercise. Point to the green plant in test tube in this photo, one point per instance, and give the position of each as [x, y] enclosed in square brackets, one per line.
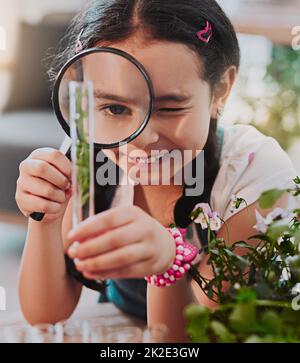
[82, 131]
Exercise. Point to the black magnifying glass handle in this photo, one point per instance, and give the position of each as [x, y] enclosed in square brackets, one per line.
[38, 216]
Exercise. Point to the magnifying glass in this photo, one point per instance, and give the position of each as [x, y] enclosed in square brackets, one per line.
[122, 96]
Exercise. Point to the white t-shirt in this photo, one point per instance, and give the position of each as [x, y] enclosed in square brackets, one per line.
[270, 168]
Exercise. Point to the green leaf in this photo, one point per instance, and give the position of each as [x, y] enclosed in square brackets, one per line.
[197, 323]
[260, 237]
[254, 339]
[271, 323]
[242, 244]
[297, 237]
[243, 318]
[242, 263]
[210, 293]
[297, 180]
[221, 332]
[263, 290]
[196, 311]
[277, 229]
[229, 253]
[297, 211]
[245, 294]
[269, 198]
[241, 260]
[286, 247]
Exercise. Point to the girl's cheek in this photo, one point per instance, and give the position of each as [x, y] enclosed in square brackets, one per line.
[193, 132]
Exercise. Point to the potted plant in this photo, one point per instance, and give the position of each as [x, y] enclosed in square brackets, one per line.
[262, 303]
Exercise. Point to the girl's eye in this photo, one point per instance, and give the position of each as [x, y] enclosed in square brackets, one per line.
[171, 109]
[115, 110]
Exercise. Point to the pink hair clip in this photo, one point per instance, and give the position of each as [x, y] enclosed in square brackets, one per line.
[79, 46]
[206, 33]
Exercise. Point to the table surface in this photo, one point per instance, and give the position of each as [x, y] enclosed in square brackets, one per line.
[108, 310]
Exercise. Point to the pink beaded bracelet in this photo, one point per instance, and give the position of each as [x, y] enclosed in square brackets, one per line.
[185, 254]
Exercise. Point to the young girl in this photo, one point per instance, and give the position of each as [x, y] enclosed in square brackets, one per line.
[190, 50]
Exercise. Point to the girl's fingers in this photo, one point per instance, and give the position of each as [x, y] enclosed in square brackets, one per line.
[108, 241]
[55, 158]
[116, 259]
[33, 203]
[138, 270]
[109, 219]
[43, 170]
[42, 189]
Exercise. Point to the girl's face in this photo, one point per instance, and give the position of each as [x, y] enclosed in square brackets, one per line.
[183, 105]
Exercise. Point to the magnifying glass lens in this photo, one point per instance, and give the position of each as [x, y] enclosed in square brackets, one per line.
[121, 96]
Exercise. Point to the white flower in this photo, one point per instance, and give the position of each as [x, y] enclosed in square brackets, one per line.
[261, 249]
[285, 274]
[261, 225]
[291, 259]
[237, 286]
[203, 220]
[215, 222]
[277, 212]
[207, 218]
[296, 289]
[204, 206]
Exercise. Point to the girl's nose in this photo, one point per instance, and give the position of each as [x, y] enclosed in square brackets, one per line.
[148, 136]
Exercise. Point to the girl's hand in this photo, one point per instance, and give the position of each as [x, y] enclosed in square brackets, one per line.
[44, 183]
[123, 242]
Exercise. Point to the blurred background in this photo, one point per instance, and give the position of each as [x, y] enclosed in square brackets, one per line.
[266, 95]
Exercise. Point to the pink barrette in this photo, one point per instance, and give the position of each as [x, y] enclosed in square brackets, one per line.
[79, 46]
[206, 33]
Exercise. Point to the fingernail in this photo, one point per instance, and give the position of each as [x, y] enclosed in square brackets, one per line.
[68, 186]
[73, 249]
[76, 261]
